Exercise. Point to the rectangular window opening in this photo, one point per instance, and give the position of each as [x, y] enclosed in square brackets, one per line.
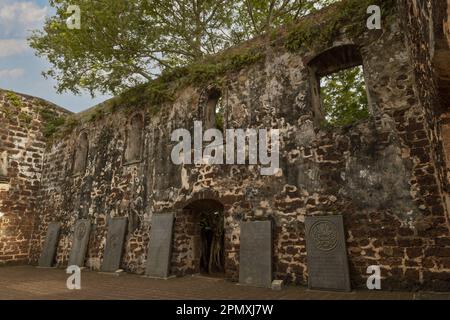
[344, 97]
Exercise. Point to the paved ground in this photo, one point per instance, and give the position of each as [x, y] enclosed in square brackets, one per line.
[27, 282]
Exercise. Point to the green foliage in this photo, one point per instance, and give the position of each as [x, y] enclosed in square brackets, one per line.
[14, 99]
[256, 17]
[97, 114]
[220, 114]
[207, 71]
[124, 43]
[66, 128]
[25, 118]
[344, 97]
[71, 123]
[350, 15]
[52, 122]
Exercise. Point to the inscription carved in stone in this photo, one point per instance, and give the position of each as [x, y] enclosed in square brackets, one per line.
[326, 253]
[80, 242]
[324, 235]
[81, 231]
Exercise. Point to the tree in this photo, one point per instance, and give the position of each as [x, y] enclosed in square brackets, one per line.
[344, 97]
[123, 43]
[258, 17]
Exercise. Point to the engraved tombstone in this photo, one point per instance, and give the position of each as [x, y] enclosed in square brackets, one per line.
[160, 246]
[255, 265]
[80, 242]
[50, 244]
[114, 244]
[326, 253]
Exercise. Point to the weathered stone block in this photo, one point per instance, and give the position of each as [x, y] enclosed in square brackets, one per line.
[255, 263]
[114, 244]
[80, 242]
[160, 246]
[326, 253]
[49, 248]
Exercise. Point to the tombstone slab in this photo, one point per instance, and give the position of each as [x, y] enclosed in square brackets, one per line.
[326, 253]
[80, 242]
[160, 246]
[255, 265]
[114, 244]
[49, 248]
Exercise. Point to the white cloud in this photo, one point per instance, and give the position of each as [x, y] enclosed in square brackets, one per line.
[12, 47]
[12, 73]
[16, 18]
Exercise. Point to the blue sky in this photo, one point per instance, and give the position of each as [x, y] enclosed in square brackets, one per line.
[20, 69]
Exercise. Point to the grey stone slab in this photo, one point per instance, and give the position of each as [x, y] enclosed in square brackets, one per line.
[50, 244]
[326, 253]
[80, 242]
[114, 244]
[160, 246]
[255, 262]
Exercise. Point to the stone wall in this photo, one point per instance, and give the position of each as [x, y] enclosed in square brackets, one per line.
[22, 146]
[384, 174]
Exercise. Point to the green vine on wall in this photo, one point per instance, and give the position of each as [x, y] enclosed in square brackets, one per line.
[52, 121]
[14, 99]
[154, 94]
[206, 72]
[348, 15]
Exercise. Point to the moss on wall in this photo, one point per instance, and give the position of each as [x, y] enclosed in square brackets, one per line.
[205, 72]
[154, 94]
[14, 99]
[52, 121]
[348, 15]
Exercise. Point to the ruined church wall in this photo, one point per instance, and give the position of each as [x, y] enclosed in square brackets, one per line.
[380, 174]
[424, 22]
[22, 145]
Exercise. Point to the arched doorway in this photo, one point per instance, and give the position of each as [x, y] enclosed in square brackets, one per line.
[199, 239]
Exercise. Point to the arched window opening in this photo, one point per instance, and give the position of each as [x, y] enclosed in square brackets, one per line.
[133, 151]
[81, 154]
[4, 167]
[214, 111]
[339, 94]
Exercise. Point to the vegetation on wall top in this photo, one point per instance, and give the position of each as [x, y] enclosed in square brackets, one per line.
[14, 99]
[319, 29]
[120, 44]
[151, 95]
[348, 15]
[52, 121]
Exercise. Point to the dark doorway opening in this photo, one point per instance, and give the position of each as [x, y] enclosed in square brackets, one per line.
[209, 222]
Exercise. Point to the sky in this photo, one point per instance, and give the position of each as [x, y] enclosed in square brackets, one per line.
[20, 69]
